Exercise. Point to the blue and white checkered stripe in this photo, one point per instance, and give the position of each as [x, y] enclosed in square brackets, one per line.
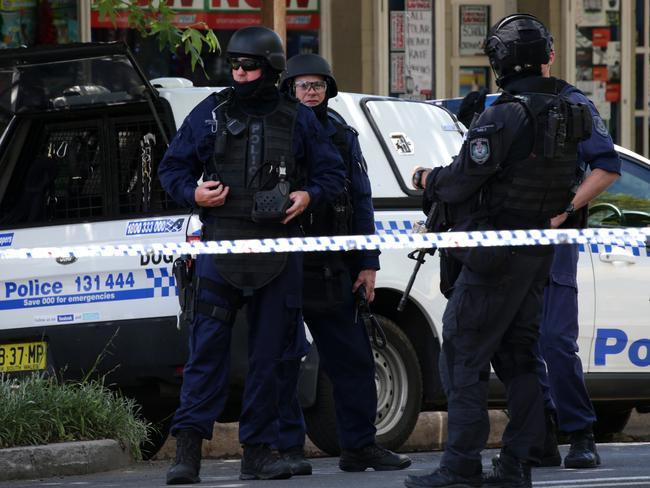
[624, 237]
[164, 283]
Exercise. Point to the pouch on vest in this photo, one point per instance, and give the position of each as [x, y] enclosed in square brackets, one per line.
[324, 282]
[271, 205]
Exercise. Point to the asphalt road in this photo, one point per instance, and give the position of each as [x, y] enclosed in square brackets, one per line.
[624, 465]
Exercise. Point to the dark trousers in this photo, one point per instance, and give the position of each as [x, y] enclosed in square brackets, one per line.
[347, 359]
[559, 366]
[494, 318]
[275, 322]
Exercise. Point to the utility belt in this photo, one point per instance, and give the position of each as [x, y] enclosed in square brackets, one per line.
[189, 285]
[326, 280]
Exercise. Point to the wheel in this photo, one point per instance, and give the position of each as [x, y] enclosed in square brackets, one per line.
[611, 420]
[159, 414]
[399, 395]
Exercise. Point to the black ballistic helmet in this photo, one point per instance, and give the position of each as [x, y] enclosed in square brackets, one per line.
[259, 42]
[518, 43]
[308, 64]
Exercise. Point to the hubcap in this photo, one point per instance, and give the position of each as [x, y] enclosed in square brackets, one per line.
[392, 387]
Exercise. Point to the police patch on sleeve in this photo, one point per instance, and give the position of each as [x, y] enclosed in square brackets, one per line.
[479, 150]
[600, 126]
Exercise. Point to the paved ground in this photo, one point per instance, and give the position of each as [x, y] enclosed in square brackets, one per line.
[624, 465]
[45, 462]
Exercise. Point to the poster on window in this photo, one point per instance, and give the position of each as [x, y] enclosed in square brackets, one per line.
[419, 52]
[397, 75]
[598, 55]
[474, 20]
[397, 31]
[472, 78]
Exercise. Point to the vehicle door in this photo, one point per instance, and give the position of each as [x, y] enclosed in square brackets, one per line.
[77, 168]
[622, 273]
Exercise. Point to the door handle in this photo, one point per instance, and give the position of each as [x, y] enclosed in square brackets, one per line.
[615, 257]
[66, 260]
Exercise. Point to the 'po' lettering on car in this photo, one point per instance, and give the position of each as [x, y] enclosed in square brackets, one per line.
[611, 342]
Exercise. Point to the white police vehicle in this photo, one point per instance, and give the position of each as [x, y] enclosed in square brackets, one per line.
[83, 132]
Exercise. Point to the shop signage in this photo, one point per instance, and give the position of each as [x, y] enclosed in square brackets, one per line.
[228, 14]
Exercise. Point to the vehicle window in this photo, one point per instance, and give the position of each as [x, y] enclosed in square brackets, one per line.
[139, 150]
[86, 170]
[627, 202]
[58, 176]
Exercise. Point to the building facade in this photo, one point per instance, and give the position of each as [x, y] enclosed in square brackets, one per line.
[432, 49]
[418, 49]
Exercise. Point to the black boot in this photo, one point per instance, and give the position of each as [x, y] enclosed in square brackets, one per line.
[551, 454]
[187, 465]
[372, 456]
[259, 462]
[295, 457]
[441, 478]
[508, 472]
[582, 453]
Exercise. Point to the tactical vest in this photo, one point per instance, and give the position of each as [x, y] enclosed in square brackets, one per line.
[247, 155]
[332, 219]
[544, 183]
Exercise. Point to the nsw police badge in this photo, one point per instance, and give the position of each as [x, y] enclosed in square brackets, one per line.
[479, 150]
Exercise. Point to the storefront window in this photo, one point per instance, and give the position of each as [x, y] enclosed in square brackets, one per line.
[640, 24]
[598, 58]
[34, 22]
[411, 48]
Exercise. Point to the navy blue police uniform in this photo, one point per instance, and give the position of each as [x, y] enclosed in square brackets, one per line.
[343, 345]
[562, 379]
[503, 178]
[274, 308]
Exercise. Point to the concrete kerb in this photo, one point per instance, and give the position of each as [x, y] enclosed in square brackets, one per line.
[62, 459]
[430, 434]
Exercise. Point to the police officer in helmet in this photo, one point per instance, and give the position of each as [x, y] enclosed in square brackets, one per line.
[516, 170]
[264, 160]
[330, 281]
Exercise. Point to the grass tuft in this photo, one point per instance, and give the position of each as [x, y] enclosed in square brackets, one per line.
[38, 409]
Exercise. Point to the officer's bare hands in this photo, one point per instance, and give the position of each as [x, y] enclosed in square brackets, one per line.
[558, 220]
[300, 201]
[367, 279]
[211, 194]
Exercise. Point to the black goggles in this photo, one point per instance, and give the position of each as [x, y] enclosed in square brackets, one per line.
[247, 64]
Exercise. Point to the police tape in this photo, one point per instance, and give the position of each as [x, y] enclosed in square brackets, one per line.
[638, 238]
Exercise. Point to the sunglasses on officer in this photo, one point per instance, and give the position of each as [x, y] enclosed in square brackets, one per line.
[317, 86]
[247, 64]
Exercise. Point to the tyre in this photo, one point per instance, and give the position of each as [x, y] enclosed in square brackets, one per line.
[159, 413]
[399, 395]
[611, 419]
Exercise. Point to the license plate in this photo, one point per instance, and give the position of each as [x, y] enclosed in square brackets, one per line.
[22, 356]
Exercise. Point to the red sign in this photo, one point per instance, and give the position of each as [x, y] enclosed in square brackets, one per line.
[599, 73]
[218, 20]
[600, 36]
[613, 92]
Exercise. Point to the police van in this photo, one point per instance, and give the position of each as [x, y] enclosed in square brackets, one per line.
[83, 132]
